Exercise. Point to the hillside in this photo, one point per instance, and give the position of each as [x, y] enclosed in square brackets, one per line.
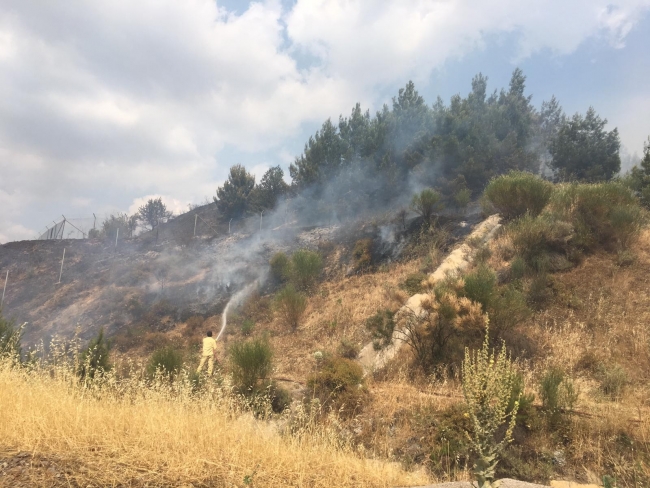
[561, 282]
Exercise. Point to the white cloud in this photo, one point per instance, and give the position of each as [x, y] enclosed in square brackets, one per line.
[103, 101]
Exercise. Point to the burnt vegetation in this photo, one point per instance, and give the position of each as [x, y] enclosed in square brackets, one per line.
[375, 203]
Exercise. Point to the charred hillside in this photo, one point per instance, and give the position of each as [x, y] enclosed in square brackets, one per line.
[158, 280]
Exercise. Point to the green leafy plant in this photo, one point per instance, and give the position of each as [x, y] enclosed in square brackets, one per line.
[279, 266]
[291, 305]
[304, 268]
[94, 359]
[165, 361]
[613, 380]
[557, 393]
[480, 285]
[247, 327]
[250, 363]
[413, 283]
[602, 214]
[338, 384]
[427, 203]
[381, 325]
[488, 380]
[518, 193]
[10, 336]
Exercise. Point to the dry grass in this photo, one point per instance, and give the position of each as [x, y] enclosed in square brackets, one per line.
[337, 310]
[130, 435]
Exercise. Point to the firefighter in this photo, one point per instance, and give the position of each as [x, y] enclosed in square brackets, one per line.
[209, 353]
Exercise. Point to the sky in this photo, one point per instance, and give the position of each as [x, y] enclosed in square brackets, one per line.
[104, 104]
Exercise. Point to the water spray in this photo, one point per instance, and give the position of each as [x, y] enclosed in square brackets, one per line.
[236, 299]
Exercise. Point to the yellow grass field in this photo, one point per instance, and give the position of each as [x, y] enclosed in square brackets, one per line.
[130, 435]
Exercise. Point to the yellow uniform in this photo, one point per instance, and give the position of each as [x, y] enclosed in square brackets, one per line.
[209, 350]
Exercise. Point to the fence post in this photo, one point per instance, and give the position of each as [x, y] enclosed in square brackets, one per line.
[196, 216]
[61, 272]
[3, 290]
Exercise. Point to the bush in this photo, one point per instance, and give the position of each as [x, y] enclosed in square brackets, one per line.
[413, 283]
[488, 382]
[10, 336]
[507, 310]
[517, 268]
[247, 327]
[518, 193]
[426, 203]
[362, 254]
[612, 380]
[279, 266]
[557, 394]
[165, 361]
[462, 198]
[94, 358]
[534, 238]
[348, 349]
[381, 325]
[440, 335]
[279, 397]
[304, 269]
[291, 305]
[250, 363]
[603, 214]
[480, 286]
[339, 385]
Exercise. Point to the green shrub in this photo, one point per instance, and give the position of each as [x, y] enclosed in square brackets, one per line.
[482, 254]
[247, 327]
[250, 363]
[279, 266]
[291, 305]
[557, 393]
[507, 310]
[339, 385]
[348, 349]
[518, 193]
[94, 359]
[165, 361]
[381, 325]
[10, 336]
[613, 380]
[362, 254]
[413, 283]
[534, 238]
[525, 399]
[427, 203]
[602, 214]
[480, 285]
[305, 267]
[279, 397]
[517, 268]
[462, 198]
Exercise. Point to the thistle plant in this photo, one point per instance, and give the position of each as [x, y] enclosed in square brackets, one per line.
[488, 380]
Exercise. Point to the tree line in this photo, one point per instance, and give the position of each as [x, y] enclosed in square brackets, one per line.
[456, 148]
